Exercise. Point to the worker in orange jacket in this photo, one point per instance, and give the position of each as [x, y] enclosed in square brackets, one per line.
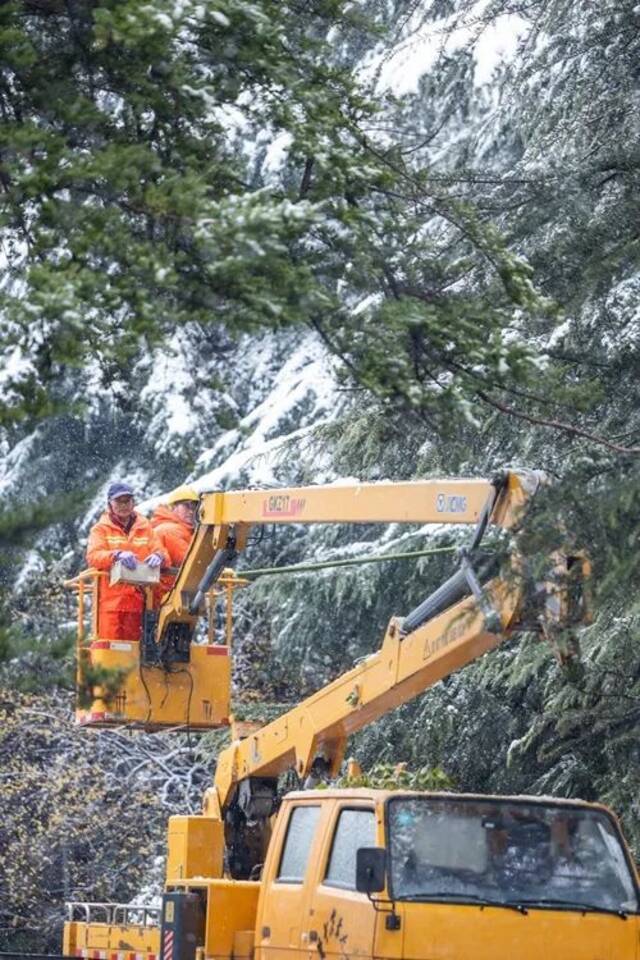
[173, 523]
[122, 534]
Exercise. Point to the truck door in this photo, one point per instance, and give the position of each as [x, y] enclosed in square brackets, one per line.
[341, 921]
[284, 899]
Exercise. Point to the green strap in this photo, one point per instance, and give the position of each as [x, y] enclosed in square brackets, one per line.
[358, 561]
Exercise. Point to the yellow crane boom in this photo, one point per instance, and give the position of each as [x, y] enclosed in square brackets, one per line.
[227, 517]
[404, 667]
[468, 615]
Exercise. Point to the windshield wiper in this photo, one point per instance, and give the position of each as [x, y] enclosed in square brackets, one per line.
[468, 898]
[575, 904]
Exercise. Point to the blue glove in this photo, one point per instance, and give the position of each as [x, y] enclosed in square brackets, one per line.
[154, 560]
[127, 559]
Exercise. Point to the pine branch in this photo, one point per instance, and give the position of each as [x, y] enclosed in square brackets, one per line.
[306, 178]
[556, 425]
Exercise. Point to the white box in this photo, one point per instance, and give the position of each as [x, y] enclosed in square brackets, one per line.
[141, 574]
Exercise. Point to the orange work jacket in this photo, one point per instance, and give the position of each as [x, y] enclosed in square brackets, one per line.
[173, 533]
[175, 536]
[105, 539]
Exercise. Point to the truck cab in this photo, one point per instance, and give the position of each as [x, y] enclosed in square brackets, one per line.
[363, 873]
[460, 877]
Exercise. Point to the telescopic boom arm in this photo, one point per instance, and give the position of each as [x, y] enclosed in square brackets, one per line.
[226, 518]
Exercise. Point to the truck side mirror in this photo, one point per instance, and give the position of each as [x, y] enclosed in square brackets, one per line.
[370, 869]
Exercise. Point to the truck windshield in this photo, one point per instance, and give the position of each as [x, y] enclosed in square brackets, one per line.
[507, 851]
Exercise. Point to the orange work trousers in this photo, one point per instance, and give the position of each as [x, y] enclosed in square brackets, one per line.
[119, 624]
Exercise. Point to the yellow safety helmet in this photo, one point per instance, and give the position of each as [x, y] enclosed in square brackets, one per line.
[182, 493]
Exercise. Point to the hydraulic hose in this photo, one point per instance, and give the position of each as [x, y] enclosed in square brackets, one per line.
[499, 484]
[456, 588]
[222, 559]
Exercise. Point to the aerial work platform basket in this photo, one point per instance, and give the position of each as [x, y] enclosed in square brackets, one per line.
[122, 682]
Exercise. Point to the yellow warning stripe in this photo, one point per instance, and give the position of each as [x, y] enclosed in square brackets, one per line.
[137, 540]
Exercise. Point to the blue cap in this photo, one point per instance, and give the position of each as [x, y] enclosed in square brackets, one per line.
[119, 489]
